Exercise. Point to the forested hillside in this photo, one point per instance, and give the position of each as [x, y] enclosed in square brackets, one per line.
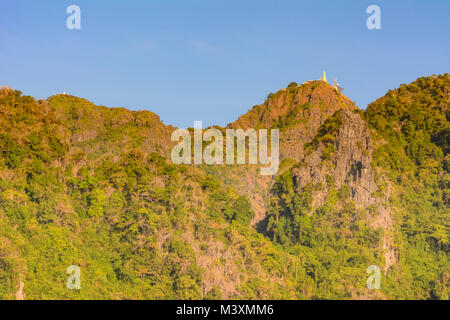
[94, 187]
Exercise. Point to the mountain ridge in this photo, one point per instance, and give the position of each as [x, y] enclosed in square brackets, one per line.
[94, 186]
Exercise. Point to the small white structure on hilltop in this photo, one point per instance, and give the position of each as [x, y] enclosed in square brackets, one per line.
[324, 77]
[337, 86]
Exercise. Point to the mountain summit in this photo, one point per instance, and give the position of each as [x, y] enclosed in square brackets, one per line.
[298, 111]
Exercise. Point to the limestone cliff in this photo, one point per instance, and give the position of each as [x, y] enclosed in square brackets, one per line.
[298, 112]
[341, 153]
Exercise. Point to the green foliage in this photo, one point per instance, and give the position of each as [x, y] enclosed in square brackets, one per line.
[412, 125]
[96, 202]
[241, 211]
[88, 186]
[13, 153]
[326, 133]
[334, 241]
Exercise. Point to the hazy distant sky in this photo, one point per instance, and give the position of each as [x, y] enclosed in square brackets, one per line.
[213, 60]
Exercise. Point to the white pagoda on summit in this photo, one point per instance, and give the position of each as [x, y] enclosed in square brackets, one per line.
[324, 77]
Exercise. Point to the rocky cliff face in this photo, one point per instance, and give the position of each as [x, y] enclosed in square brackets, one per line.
[298, 112]
[345, 159]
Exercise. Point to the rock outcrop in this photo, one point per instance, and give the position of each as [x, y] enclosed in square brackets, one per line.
[349, 163]
[345, 158]
[298, 112]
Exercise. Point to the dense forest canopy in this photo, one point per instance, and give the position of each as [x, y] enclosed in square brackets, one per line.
[94, 187]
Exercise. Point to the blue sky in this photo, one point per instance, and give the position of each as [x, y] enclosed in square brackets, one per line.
[212, 60]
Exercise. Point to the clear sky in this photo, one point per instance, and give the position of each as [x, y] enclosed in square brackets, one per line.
[212, 60]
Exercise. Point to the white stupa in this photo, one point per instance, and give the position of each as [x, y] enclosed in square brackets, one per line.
[324, 77]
